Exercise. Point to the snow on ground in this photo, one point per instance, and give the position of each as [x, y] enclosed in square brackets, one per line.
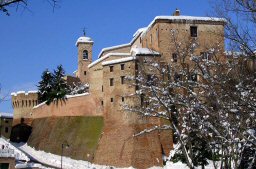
[55, 160]
[68, 163]
[17, 153]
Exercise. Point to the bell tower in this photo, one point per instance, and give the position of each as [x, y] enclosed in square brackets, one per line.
[84, 45]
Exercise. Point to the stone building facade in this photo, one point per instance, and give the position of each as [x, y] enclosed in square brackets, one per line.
[109, 88]
[5, 124]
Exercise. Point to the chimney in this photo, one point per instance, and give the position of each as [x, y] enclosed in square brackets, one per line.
[177, 12]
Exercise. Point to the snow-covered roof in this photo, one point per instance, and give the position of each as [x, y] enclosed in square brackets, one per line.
[106, 56]
[140, 30]
[234, 53]
[183, 19]
[84, 39]
[6, 115]
[76, 95]
[126, 59]
[113, 47]
[135, 35]
[143, 52]
[23, 92]
[39, 105]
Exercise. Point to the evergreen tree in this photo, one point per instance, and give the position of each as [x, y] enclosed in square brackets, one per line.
[45, 86]
[200, 149]
[60, 87]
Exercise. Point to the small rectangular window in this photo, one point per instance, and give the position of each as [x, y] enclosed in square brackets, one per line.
[142, 99]
[150, 80]
[122, 99]
[174, 57]
[193, 31]
[111, 81]
[122, 66]
[206, 56]
[102, 88]
[84, 72]
[102, 102]
[6, 129]
[177, 77]
[111, 68]
[122, 79]
[112, 100]
[6, 121]
[136, 66]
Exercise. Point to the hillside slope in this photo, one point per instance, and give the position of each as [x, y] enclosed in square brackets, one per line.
[81, 133]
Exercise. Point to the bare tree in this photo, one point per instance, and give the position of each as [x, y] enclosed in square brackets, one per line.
[5, 4]
[241, 23]
[3, 97]
[207, 100]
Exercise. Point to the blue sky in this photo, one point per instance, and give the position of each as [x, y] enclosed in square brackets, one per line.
[37, 38]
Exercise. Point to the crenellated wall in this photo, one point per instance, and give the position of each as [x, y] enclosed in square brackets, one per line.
[22, 103]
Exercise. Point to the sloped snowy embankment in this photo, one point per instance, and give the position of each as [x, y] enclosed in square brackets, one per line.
[68, 163]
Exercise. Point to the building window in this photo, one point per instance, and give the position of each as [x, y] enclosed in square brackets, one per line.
[6, 121]
[136, 65]
[151, 39]
[111, 68]
[193, 31]
[102, 88]
[122, 99]
[150, 80]
[112, 100]
[174, 57]
[177, 77]
[84, 72]
[122, 79]
[206, 56]
[122, 66]
[193, 77]
[111, 81]
[85, 54]
[102, 102]
[6, 129]
[142, 97]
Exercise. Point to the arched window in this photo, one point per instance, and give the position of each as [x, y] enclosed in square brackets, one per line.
[85, 54]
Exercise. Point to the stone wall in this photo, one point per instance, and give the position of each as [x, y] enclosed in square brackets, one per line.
[23, 103]
[83, 105]
[80, 133]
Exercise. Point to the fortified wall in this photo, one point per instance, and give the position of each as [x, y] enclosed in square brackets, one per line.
[109, 90]
[23, 103]
[77, 105]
